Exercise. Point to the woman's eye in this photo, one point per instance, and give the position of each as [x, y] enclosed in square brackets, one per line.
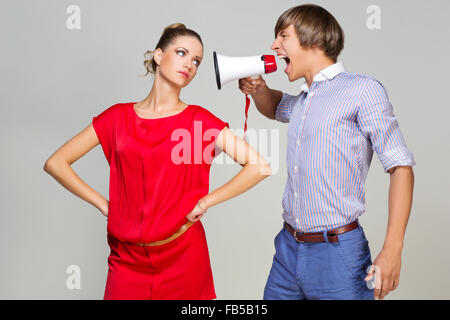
[197, 63]
[180, 51]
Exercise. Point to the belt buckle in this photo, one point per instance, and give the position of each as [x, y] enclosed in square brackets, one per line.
[332, 237]
[295, 237]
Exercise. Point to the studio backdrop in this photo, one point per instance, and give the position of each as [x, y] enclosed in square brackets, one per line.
[63, 62]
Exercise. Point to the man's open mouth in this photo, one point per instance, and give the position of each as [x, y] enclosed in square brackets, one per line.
[285, 58]
[288, 61]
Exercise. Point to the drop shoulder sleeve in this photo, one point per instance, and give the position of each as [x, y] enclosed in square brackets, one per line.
[212, 128]
[104, 126]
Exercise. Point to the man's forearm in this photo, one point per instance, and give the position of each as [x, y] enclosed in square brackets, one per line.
[400, 202]
[266, 101]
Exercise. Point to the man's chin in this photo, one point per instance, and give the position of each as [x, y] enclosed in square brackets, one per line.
[292, 78]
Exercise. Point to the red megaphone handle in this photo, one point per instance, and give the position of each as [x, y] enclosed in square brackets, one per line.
[247, 105]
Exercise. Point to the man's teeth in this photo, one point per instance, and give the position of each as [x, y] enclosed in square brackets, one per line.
[285, 58]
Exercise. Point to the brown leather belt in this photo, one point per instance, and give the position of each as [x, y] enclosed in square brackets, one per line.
[177, 233]
[332, 235]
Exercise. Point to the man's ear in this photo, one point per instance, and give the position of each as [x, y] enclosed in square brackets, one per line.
[157, 56]
[315, 47]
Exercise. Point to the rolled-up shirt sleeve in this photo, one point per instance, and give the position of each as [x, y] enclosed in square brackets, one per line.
[379, 124]
[285, 107]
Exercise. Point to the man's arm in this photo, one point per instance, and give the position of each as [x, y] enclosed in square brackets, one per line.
[378, 123]
[388, 260]
[266, 99]
[400, 202]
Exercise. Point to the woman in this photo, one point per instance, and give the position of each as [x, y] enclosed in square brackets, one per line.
[159, 151]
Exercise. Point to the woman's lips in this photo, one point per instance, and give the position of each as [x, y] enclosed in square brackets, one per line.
[184, 74]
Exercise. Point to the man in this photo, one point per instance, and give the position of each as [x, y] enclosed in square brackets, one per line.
[335, 123]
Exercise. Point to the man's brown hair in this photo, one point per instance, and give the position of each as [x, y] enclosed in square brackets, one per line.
[315, 26]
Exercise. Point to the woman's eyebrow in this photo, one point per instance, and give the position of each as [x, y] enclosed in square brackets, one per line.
[188, 51]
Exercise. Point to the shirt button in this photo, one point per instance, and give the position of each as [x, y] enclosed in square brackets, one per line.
[303, 117]
[295, 168]
[298, 142]
[311, 94]
[295, 194]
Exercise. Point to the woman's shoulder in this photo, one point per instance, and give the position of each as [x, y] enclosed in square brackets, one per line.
[120, 106]
[208, 117]
[201, 111]
[115, 110]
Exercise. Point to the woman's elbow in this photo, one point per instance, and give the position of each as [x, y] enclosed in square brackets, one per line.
[48, 165]
[264, 168]
[51, 165]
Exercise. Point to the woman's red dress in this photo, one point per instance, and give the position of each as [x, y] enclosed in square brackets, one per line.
[159, 169]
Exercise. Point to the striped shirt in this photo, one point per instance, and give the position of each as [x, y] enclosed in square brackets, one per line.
[334, 127]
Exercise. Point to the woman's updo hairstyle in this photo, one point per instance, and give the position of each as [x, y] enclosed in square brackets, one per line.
[170, 33]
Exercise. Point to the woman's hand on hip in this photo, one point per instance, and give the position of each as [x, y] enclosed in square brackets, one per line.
[196, 213]
[105, 208]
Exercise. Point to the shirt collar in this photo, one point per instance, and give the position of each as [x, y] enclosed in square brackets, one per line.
[327, 73]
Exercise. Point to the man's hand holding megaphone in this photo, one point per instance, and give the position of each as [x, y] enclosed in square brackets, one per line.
[266, 99]
[251, 85]
[228, 69]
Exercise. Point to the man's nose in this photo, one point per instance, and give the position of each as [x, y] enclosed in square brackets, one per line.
[275, 45]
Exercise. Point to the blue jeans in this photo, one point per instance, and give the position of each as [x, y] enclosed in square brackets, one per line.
[320, 270]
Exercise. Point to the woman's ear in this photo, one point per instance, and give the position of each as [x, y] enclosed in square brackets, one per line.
[157, 56]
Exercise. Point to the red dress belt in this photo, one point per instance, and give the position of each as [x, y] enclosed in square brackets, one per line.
[332, 235]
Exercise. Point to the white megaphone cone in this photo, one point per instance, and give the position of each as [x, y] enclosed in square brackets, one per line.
[233, 68]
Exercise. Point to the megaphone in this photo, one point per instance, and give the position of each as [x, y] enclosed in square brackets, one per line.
[232, 68]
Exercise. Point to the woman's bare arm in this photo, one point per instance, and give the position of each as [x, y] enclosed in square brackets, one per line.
[59, 167]
[255, 169]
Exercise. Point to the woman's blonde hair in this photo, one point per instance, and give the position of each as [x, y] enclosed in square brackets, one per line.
[170, 33]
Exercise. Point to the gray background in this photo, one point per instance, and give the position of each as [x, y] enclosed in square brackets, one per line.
[54, 80]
